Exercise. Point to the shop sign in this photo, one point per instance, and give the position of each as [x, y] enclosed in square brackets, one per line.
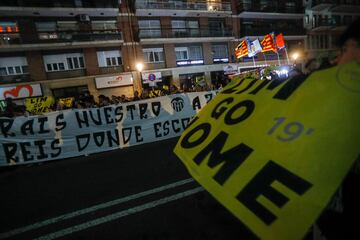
[151, 77]
[190, 62]
[20, 91]
[114, 81]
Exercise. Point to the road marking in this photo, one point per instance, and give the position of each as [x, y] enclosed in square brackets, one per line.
[118, 215]
[92, 209]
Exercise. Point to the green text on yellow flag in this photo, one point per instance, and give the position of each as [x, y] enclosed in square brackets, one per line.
[274, 153]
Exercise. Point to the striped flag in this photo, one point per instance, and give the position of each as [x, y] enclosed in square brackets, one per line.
[254, 47]
[280, 43]
[268, 43]
[242, 49]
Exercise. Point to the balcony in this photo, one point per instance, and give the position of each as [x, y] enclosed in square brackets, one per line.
[184, 5]
[80, 36]
[290, 31]
[112, 69]
[183, 33]
[60, 39]
[336, 6]
[328, 24]
[9, 39]
[62, 3]
[270, 10]
[10, 11]
[66, 74]
[269, 7]
[14, 78]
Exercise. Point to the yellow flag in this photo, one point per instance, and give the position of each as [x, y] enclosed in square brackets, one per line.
[39, 104]
[67, 102]
[274, 153]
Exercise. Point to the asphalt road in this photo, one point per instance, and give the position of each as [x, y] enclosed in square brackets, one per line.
[142, 192]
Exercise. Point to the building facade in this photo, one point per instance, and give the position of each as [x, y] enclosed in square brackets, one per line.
[325, 20]
[260, 17]
[71, 46]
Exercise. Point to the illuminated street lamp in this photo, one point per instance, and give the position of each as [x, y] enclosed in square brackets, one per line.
[295, 56]
[139, 67]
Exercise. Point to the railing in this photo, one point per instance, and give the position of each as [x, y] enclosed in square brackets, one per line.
[269, 7]
[9, 38]
[327, 23]
[318, 2]
[75, 36]
[63, 4]
[183, 33]
[296, 30]
[15, 78]
[184, 5]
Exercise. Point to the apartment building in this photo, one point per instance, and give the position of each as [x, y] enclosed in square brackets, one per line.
[65, 47]
[325, 20]
[182, 40]
[260, 17]
[62, 46]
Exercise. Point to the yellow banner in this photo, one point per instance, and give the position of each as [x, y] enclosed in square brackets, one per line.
[67, 102]
[39, 104]
[155, 93]
[274, 153]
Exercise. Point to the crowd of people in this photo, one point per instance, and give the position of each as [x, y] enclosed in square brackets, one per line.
[86, 100]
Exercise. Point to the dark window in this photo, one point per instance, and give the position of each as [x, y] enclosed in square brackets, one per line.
[76, 62]
[108, 61]
[70, 64]
[69, 92]
[81, 61]
[61, 66]
[18, 69]
[24, 69]
[10, 70]
[3, 71]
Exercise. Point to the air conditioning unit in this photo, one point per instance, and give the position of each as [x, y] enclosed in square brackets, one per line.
[84, 18]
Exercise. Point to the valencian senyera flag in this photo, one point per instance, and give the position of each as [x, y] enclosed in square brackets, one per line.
[254, 47]
[268, 43]
[242, 49]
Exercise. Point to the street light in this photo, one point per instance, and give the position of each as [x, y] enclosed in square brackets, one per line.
[295, 56]
[139, 67]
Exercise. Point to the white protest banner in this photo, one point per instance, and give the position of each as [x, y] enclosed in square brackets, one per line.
[70, 133]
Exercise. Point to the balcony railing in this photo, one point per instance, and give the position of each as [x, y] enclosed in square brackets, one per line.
[79, 36]
[295, 31]
[9, 38]
[333, 3]
[63, 4]
[15, 78]
[328, 23]
[183, 33]
[184, 5]
[269, 7]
